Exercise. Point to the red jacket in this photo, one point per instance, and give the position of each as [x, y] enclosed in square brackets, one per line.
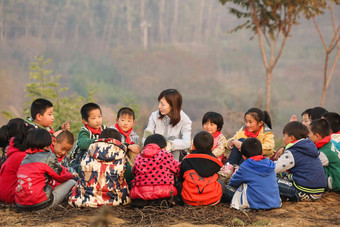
[36, 170]
[154, 172]
[8, 173]
[200, 185]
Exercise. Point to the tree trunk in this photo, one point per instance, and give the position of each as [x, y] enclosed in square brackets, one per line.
[161, 20]
[1, 20]
[268, 90]
[198, 29]
[175, 22]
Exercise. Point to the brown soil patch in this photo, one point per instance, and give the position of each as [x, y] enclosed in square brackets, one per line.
[324, 212]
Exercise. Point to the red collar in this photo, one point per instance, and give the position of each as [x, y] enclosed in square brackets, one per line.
[94, 131]
[126, 134]
[323, 142]
[251, 134]
[257, 157]
[216, 134]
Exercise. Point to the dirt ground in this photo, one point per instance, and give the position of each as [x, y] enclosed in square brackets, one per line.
[325, 212]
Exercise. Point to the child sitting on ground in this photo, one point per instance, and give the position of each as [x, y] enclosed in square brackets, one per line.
[13, 135]
[212, 122]
[306, 180]
[62, 144]
[199, 173]
[257, 177]
[329, 155]
[92, 120]
[257, 125]
[102, 173]
[39, 167]
[124, 122]
[334, 121]
[155, 170]
[42, 116]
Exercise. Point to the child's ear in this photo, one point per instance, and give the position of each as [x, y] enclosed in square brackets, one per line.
[260, 123]
[85, 122]
[133, 123]
[53, 141]
[38, 117]
[292, 138]
[116, 120]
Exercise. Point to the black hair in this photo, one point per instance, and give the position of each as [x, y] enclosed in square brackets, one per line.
[259, 115]
[296, 129]
[215, 118]
[317, 113]
[251, 147]
[307, 111]
[156, 139]
[174, 99]
[126, 110]
[37, 138]
[65, 135]
[87, 108]
[203, 141]
[321, 127]
[334, 120]
[111, 133]
[10, 130]
[39, 106]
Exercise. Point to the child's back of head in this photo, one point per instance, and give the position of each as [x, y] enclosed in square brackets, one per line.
[215, 118]
[38, 138]
[156, 139]
[296, 129]
[111, 133]
[334, 121]
[317, 113]
[203, 141]
[251, 147]
[12, 129]
[87, 108]
[321, 127]
[39, 106]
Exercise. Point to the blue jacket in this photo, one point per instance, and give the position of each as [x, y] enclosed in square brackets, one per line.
[263, 191]
[307, 172]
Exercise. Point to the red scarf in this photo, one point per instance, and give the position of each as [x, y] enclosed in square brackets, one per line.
[216, 134]
[251, 134]
[257, 157]
[94, 131]
[126, 134]
[323, 141]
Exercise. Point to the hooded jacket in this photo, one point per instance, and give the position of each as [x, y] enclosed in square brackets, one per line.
[199, 175]
[101, 179]
[305, 168]
[8, 173]
[263, 191]
[155, 170]
[34, 174]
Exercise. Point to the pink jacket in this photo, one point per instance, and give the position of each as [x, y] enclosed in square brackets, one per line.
[154, 172]
[8, 173]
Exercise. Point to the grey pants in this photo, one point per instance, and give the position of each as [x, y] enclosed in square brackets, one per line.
[60, 192]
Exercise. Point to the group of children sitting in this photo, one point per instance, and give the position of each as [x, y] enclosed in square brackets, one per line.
[106, 166]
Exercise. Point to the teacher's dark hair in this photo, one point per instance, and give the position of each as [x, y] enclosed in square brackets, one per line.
[174, 99]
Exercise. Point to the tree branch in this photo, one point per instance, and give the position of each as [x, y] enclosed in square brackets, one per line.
[318, 29]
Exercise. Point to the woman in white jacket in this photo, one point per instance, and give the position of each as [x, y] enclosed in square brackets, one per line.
[171, 122]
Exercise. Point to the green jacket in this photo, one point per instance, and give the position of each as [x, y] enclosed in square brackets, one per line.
[332, 170]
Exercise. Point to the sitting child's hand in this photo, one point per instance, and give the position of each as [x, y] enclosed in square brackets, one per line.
[237, 144]
[65, 126]
[293, 118]
[134, 148]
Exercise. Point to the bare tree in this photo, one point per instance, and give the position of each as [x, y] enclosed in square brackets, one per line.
[335, 42]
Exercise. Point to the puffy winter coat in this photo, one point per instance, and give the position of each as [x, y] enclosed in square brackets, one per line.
[154, 172]
[8, 173]
[102, 176]
[34, 174]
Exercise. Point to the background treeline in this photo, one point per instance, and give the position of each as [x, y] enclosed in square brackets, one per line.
[100, 45]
